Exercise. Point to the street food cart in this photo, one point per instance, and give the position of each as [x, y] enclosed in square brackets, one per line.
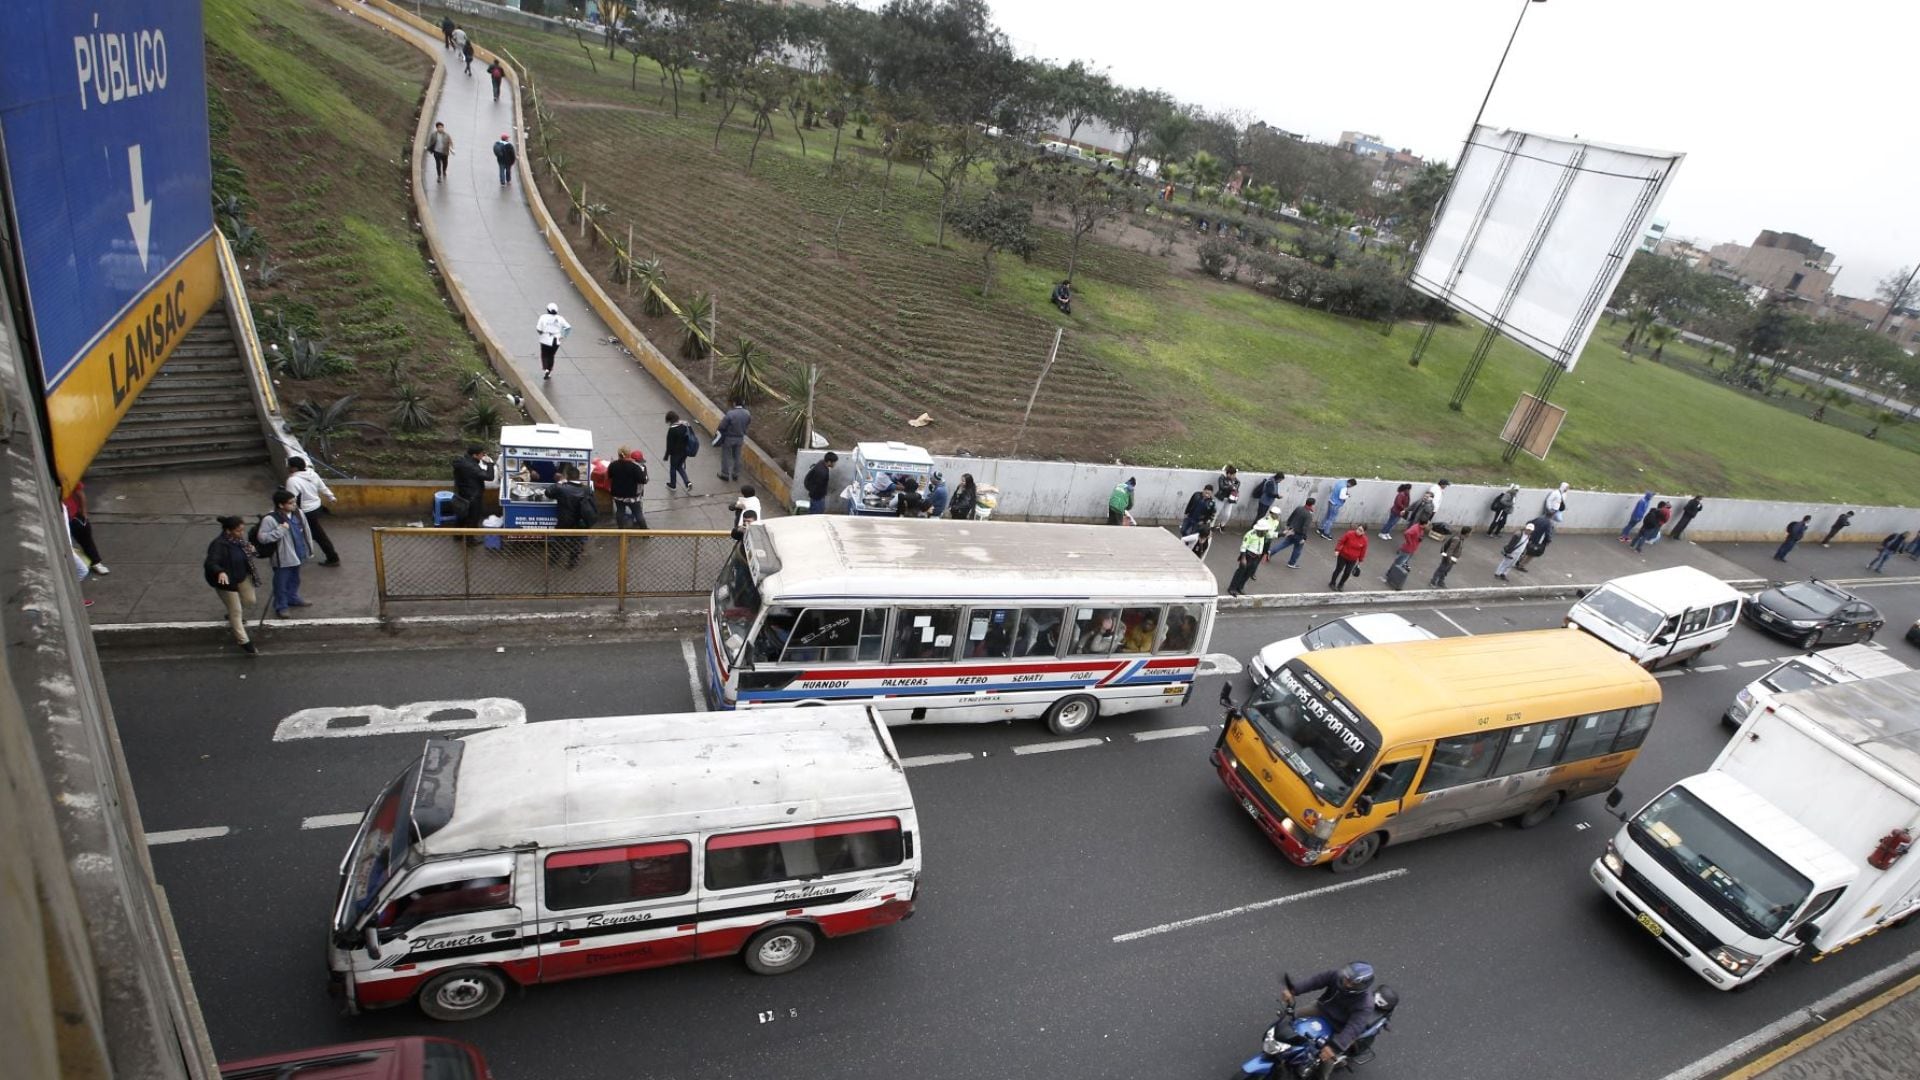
[879, 468]
[533, 457]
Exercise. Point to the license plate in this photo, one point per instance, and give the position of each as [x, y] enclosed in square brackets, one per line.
[1652, 926]
[1252, 811]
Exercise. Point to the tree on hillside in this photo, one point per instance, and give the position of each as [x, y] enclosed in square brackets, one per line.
[1660, 334]
[1765, 334]
[1205, 169]
[1420, 198]
[998, 223]
[763, 88]
[670, 46]
[1077, 95]
[953, 152]
[1087, 196]
[1167, 139]
[1133, 113]
[1900, 289]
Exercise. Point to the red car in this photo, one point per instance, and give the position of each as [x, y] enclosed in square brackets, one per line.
[412, 1058]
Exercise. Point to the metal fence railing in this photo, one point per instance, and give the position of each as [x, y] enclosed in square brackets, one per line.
[544, 564]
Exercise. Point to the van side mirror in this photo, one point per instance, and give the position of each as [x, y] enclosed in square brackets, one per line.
[1806, 932]
[1363, 806]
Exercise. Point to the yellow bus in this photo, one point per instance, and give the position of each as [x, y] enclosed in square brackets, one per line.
[1343, 751]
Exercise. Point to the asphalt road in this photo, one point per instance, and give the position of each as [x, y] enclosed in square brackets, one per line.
[1509, 962]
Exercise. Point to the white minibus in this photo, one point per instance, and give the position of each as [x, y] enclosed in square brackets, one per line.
[1660, 617]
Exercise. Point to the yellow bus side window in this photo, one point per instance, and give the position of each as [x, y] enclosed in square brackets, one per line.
[1634, 731]
[1462, 759]
[1531, 747]
[1593, 735]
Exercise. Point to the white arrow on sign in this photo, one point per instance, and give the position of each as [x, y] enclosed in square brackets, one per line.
[141, 219]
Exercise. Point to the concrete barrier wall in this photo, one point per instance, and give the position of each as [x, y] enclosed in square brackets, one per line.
[1070, 491]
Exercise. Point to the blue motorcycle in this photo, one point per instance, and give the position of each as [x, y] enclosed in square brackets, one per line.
[1290, 1049]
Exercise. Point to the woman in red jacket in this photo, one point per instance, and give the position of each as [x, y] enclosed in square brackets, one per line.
[1347, 553]
[1402, 496]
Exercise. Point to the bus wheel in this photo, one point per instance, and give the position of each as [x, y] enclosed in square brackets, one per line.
[779, 949]
[1072, 715]
[1540, 812]
[462, 994]
[1358, 854]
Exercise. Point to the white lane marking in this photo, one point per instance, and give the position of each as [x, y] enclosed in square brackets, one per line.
[696, 678]
[1057, 744]
[1818, 1012]
[934, 759]
[1172, 733]
[1674, 674]
[331, 821]
[1876, 645]
[1704, 668]
[1450, 622]
[174, 836]
[350, 721]
[1310, 894]
[1218, 663]
[1757, 663]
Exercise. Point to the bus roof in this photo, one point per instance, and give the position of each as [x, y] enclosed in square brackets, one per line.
[1419, 690]
[615, 778]
[821, 555]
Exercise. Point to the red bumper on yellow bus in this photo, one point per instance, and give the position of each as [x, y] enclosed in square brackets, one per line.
[1276, 825]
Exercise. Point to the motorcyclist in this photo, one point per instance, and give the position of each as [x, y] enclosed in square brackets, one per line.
[1346, 1002]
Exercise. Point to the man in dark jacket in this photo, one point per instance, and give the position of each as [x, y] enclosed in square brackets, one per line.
[1687, 513]
[471, 475]
[1295, 537]
[1795, 530]
[1199, 511]
[1538, 537]
[733, 435]
[1839, 523]
[229, 569]
[626, 483]
[816, 482]
[1449, 554]
[681, 445]
[573, 508]
[505, 154]
[1346, 1002]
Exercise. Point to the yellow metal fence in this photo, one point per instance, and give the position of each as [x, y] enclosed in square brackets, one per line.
[544, 564]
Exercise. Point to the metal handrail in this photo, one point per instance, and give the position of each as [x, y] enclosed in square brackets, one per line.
[243, 311]
[620, 592]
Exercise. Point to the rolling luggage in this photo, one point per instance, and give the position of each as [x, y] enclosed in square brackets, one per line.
[1397, 577]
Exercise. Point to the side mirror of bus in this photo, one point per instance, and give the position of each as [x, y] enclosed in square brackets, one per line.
[373, 941]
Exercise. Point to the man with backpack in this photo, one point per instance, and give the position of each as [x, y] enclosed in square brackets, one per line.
[505, 155]
[1502, 506]
[573, 508]
[498, 74]
[282, 538]
[626, 482]
[682, 444]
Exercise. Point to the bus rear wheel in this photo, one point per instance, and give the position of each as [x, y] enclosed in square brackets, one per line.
[1358, 854]
[1072, 715]
[463, 994]
[779, 949]
[1539, 812]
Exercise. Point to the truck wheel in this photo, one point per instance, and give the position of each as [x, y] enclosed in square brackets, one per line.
[1072, 715]
[1540, 811]
[1358, 854]
[462, 994]
[779, 949]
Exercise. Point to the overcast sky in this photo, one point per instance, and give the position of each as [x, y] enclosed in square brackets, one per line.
[1794, 116]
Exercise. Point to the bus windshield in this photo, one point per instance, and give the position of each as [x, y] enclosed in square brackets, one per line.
[736, 603]
[1750, 885]
[383, 845]
[1315, 731]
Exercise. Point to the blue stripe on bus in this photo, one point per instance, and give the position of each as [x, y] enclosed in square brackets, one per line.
[856, 693]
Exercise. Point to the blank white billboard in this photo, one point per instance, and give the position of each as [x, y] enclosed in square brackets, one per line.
[1536, 231]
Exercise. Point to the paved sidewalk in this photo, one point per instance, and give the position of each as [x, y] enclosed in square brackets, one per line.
[1880, 1040]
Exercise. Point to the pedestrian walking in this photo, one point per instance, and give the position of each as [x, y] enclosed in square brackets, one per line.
[505, 155]
[472, 472]
[1200, 508]
[1555, 506]
[1688, 511]
[1295, 536]
[1651, 525]
[466, 57]
[1266, 493]
[1423, 510]
[1501, 507]
[1839, 523]
[1338, 493]
[966, 497]
[457, 40]
[310, 490]
[80, 528]
[498, 74]
[1226, 492]
[1409, 543]
[682, 444]
[551, 329]
[1449, 555]
[1888, 547]
[816, 481]
[440, 148]
[1120, 500]
[287, 543]
[229, 570]
[1200, 536]
[1538, 537]
[446, 30]
[731, 436]
[1348, 553]
[1513, 550]
[1253, 548]
[1913, 549]
[1402, 496]
[627, 486]
[1795, 531]
[1639, 511]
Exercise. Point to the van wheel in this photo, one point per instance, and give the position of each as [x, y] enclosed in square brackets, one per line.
[779, 949]
[1358, 854]
[1540, 811]
[463, 994]
[1072, 715]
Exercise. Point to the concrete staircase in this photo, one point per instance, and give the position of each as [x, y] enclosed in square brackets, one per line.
[196, 413]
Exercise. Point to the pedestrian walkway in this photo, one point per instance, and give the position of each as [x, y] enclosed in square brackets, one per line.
[494, 247]
[1879, 1040]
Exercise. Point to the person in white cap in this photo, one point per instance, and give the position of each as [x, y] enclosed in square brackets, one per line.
[551, 329]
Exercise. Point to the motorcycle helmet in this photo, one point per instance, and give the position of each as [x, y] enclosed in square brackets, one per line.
[1355, 976]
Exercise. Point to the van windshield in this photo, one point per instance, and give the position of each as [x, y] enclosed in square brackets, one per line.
[1624, 611]
[736, 603]
[1315, 731]
[382, 847]
[1736, 874]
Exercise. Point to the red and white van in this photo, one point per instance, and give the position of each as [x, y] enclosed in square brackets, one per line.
[585, 847]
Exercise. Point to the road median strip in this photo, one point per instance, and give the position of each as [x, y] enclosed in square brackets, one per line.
[1262, 905]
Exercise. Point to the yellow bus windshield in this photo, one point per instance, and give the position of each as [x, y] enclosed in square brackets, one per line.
[1315, 731]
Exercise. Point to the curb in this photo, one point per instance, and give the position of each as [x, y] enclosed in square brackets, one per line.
[656, 622]
[1786, 1052]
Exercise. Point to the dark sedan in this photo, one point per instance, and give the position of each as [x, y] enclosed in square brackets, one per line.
[1813, 613]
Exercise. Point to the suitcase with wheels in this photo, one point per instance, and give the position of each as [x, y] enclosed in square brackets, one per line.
[1396, 577]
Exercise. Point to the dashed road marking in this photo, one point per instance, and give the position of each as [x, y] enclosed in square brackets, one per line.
[1703, 669]
[352, 721]
[1450, 621]
[175, 836]
[1058, 744]
[696, 681]
[1171, 733]
[1674, 674]
[934, 759]
[1757, 663]
[330, 821]
[1278, 901]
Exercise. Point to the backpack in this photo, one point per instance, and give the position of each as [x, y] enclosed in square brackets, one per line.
[261, 549]
[693, 444]
[1503, 501]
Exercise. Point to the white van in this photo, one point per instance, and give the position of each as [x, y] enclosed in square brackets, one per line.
[582, 847]
[1848, 663]
[1660, 617]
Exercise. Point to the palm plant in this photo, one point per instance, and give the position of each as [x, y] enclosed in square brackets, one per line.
[302, 357]
[1660, 334]
[798, 385]
[1207, 170]
[410, 411]
[472, 382]
[318, 426]
[650, 276]
[695, 315]
[481, 420]
[746, 365]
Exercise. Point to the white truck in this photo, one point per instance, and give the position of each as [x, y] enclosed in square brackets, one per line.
[1795, 840]
[1848, 663]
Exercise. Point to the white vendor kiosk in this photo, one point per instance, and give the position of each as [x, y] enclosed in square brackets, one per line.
[532, 457]
[878, 467]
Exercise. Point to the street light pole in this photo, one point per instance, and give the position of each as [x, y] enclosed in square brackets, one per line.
[1497, 68]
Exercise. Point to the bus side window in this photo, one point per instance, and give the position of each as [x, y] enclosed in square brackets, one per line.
[1139, 627]
[1634, 731]
[990, 632]
[824, 634]
[924, 633]
[1723, 613]
[1183, 628]
[1095, 631]
[1392, 780]
[1593, 735]
[873, 633]
[1462, 759]
[1532, 746]
[774, 631]
[1039, 633]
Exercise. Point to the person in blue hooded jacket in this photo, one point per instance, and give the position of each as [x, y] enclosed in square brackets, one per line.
[1633, 519]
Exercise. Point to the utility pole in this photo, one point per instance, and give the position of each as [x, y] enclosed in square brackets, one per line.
[1894, 300]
